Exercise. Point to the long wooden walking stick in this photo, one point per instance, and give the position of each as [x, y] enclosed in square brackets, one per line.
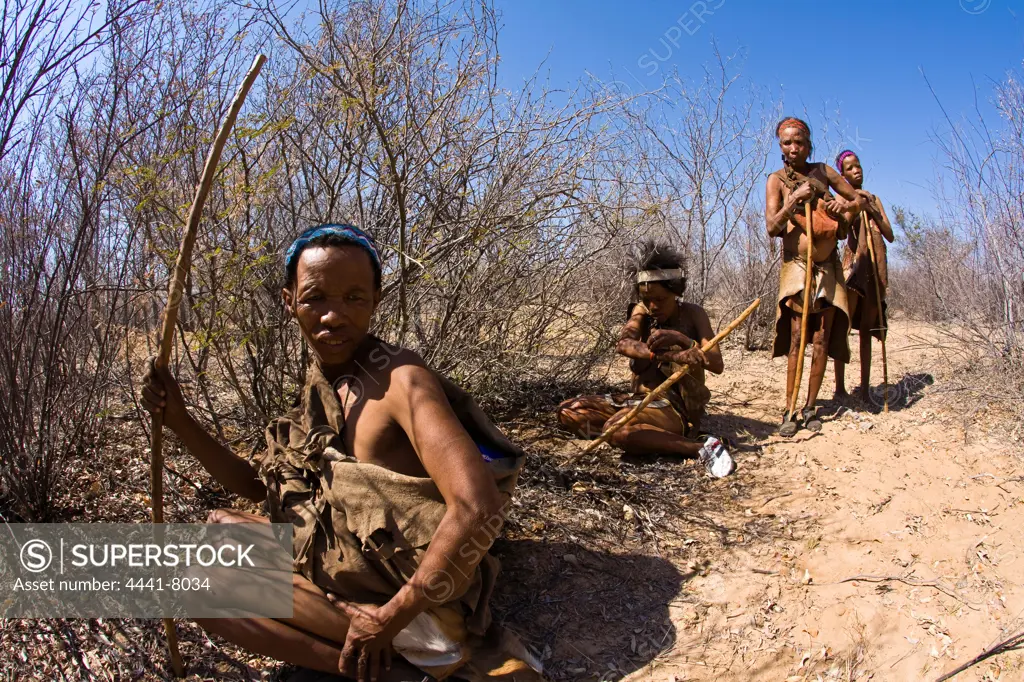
[668, 383]
[170, 318]
[884, 328]
[806, 311]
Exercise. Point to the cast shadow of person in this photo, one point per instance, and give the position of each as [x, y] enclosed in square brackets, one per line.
[902, 394]
[588, 614]
[906, 392]
[745, 433]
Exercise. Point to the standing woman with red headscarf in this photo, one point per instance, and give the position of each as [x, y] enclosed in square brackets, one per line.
[788, 190]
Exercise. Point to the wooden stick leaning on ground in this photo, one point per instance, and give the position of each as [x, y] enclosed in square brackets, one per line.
[878, 299]
[806, 311]
[1006, 645]
[667, 384]
[175, 292]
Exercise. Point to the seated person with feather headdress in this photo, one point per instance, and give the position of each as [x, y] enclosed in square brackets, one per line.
[663, 334]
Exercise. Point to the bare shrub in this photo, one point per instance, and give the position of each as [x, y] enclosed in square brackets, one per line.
[64, 258]
[702, 149]
[935, 272]
[494, 209]
[752, 271]
[967, 267]
[496, 212]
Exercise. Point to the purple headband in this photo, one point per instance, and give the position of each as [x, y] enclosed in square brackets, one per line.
[842, 157]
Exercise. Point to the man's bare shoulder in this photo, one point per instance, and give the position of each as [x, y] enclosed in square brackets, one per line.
[412, 373]
[400, 372]
[387, 362]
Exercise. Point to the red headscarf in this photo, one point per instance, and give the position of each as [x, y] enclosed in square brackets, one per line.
[792, 122]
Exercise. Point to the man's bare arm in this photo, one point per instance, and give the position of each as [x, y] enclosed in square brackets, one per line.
[161, 393]
[475, 506]
[230, 470]
[629, 343]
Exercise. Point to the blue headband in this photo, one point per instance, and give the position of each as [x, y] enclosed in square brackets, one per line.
[349, 233]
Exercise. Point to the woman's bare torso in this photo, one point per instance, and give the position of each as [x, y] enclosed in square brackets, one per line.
[823, 227]
[647, 373]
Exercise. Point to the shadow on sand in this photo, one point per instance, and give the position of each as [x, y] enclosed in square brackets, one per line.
[592, 615]
[903, 394]
[746, 433]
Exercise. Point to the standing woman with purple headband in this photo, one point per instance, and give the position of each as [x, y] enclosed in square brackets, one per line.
[865, 317]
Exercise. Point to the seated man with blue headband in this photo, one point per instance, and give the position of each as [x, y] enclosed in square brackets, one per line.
[394, 479]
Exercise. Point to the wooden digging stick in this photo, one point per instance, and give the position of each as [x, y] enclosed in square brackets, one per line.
[668, 383]
[878, 299]
[170, 319]
[806, 311]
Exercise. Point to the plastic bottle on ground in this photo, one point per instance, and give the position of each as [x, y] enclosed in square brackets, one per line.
[716, 459]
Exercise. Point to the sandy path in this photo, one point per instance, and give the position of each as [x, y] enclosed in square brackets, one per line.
[647, 570]
[897, 495]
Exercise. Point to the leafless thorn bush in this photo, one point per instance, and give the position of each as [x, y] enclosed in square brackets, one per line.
[701, 153]
[64, 254]
[498, 212]
[966, 268]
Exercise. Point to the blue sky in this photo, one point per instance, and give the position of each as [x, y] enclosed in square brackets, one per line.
[864, 57]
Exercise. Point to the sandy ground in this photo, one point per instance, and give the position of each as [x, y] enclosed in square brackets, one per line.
[883, 548]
